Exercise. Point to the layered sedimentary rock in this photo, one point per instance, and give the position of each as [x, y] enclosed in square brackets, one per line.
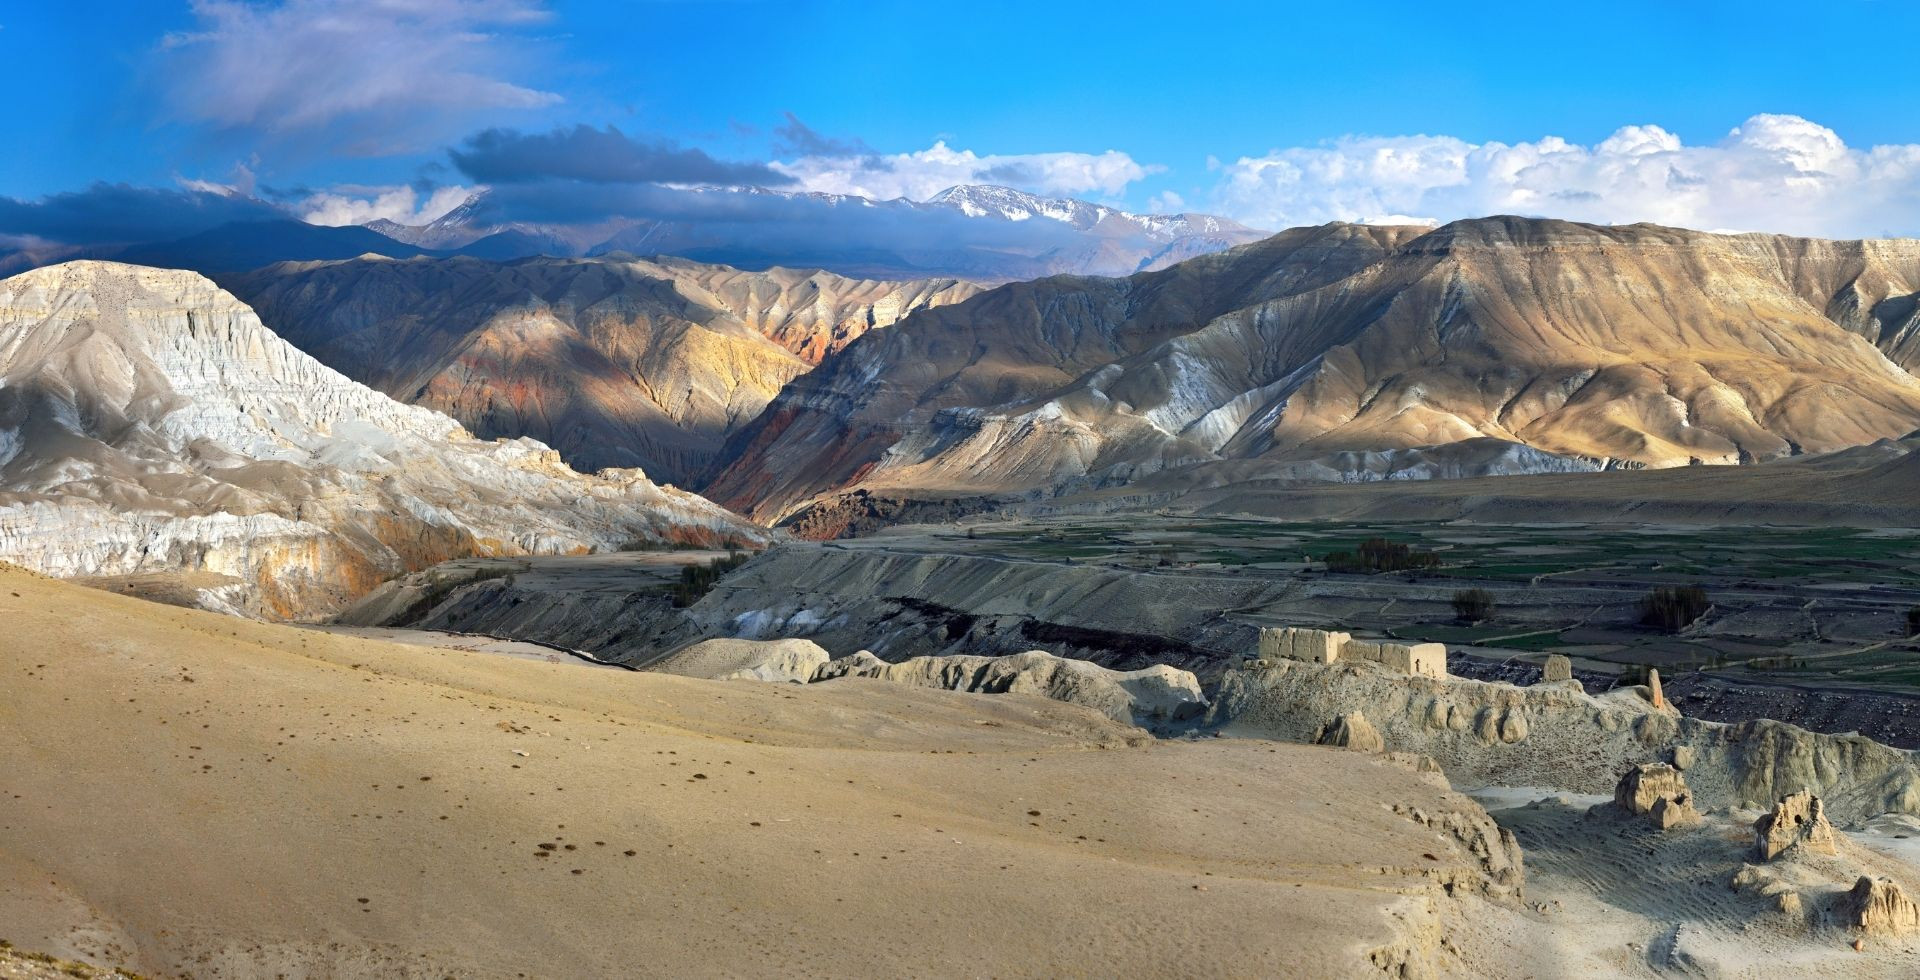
[150, 423]
[1485, 347]
[612, 361]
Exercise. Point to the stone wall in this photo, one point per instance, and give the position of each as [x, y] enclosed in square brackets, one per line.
[1327, 646]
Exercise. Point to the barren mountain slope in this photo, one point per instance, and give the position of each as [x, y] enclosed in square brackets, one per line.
[150, 423]
[255, 800]
[1350, 353]
[612, 361]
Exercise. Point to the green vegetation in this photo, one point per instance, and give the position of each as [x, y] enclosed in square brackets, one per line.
[1673, 608]
[1473, 605]
[1380, 555]
[698, 580]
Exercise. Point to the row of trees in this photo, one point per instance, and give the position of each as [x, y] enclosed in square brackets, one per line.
[1671, 608]
[697, 580]
[1380, 555]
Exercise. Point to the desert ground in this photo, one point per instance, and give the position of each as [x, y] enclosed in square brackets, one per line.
[194, 794]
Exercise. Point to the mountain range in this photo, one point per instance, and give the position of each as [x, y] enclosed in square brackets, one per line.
[1349, 352]
[151, 425]
[613, 361]
[982, 233]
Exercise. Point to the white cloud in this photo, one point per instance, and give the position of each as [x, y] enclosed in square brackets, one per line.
[359, 205]
[1772, 173]
[372, 76]
[1166, 202]
[924, 173]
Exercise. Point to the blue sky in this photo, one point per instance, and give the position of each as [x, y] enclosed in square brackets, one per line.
[1271, 113]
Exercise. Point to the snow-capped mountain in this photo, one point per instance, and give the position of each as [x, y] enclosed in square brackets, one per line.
[980, 232]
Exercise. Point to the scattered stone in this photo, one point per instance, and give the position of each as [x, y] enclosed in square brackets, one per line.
[1878, 907]
[1558, 668]
[1797, 821]
[1352, 731]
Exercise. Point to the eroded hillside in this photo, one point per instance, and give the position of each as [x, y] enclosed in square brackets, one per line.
[1492, 346]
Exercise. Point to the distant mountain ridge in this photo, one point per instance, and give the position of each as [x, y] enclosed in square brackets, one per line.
[1350, 352]
[612, 360]
[1009, 234]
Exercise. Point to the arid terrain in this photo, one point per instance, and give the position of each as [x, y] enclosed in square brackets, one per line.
[251, 799]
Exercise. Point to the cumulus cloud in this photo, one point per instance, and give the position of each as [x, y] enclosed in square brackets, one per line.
[366, 76]
[850, 169]
[119, 213]
[1773, 173]
[401, 203]
[608, 156]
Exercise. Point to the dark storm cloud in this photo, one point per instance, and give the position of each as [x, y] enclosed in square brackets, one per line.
[609, 156]
[115, 213]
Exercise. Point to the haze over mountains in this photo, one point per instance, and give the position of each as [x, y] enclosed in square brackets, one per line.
[1342, 352]
[983, 233]
[149, 424]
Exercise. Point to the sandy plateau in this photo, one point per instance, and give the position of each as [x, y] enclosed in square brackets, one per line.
[189, 793]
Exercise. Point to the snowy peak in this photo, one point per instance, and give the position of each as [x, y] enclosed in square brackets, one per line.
[988, 200]
[1010, 234]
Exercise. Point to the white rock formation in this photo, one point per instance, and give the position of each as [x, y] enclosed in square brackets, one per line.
[150, 423]
[776, 661]
[1143, 697]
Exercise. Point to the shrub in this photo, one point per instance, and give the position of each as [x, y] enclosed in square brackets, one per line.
[1674, 607]
[1473, 605]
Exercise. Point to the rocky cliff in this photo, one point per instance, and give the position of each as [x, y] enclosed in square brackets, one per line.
[612, 361]
[150, 423]
[1491, 346]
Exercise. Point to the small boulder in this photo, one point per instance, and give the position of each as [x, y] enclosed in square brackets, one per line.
[1513, 727]
[1798, 821]
[1657, 790]
[1654, 693]
[1352, 731]
[1558, 668]
[1877, 907]
[1683, 757]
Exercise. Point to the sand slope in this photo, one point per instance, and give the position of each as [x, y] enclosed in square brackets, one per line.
[186, 792]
